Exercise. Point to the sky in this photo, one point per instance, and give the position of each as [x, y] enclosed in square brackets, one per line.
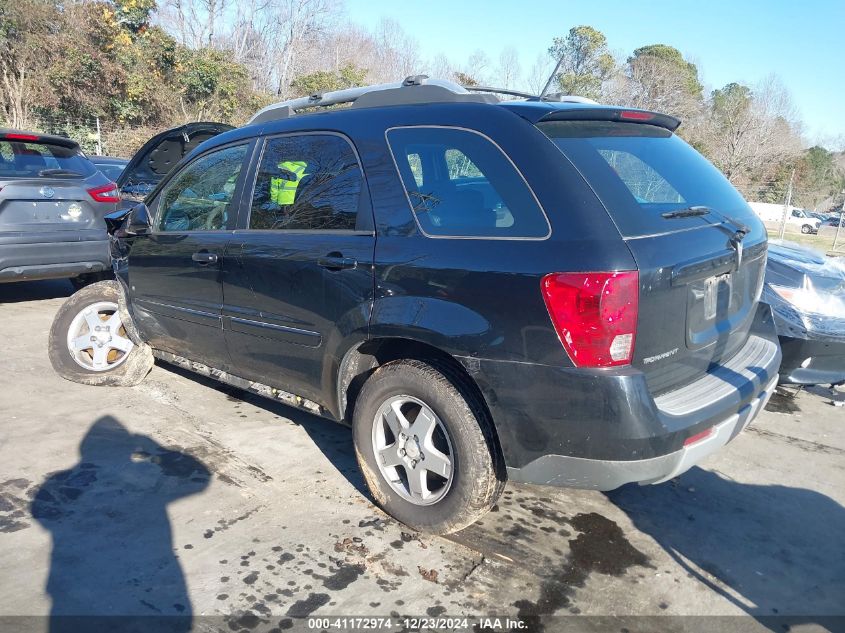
[802, 42]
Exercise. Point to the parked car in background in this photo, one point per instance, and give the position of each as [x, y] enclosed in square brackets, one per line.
[550, 291]
[795, 217]
[806, 290]
[834, 220]
[52, 206]
[159, 155]
[111, 166]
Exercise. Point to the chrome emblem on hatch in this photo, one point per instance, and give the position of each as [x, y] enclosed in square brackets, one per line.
[47, 192]
[657, 357]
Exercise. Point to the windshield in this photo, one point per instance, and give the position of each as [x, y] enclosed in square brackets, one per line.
[42, 160]
[641, 172]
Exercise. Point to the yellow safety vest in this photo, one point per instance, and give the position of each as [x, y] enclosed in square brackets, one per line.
[283, 192]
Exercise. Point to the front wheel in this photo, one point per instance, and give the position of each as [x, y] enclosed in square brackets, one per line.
[89, 342]
[426, 447]
[806, 229]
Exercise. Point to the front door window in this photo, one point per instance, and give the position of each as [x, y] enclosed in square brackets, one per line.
[200, 197]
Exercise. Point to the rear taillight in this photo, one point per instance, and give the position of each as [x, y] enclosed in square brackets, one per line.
[594, 314]
[635, 115]
[105, 193]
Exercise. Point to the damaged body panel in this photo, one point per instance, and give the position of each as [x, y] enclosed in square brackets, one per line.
[806, 290]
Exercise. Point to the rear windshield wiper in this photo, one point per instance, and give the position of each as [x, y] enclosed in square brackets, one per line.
[60, 172]
[738, 229]
[689, 212]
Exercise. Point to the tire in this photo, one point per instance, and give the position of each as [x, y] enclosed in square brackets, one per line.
[114, 357]
[806, 229]
[460, 430]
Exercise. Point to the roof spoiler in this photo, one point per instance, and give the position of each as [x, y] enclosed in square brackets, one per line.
[20, 136]
[623, 115]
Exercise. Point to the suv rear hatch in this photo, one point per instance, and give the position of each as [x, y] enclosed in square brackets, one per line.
[699, 248]
[47, 184]
[159, 155]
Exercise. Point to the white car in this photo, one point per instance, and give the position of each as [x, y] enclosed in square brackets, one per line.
[769, 212]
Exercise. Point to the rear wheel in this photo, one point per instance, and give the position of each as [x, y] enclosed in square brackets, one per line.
[89, 342]
[426, 447]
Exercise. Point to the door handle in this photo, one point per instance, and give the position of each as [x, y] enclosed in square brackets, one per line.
[204, 258]
[336, 261]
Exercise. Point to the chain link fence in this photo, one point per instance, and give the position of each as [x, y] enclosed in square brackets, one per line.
[98, 136]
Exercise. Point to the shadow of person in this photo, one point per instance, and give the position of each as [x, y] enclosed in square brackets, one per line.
[113, 566]
[776, 552]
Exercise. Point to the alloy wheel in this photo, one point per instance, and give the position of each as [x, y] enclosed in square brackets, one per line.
[413, 450]
[97, 339]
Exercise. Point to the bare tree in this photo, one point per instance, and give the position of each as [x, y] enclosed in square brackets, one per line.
[193, 22]
[300, 21]
[509, 70]
[539, 73]
[475, 72]
[271, 37]
[652, 83]
[441, 67]
[396, 53]
[751, 132]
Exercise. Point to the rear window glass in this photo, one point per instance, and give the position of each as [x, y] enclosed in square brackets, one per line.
[462, 185]
[641, 171]
[42, 160]
[110, 170]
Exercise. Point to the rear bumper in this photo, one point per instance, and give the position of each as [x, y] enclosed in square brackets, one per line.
[601, 429]
[573, 472]
[53, 260]
[812, 362]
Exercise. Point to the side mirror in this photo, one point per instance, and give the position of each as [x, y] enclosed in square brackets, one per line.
[116, 219]
[136, 222]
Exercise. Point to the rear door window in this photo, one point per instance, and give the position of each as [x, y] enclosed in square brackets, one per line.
[42, 160]
[641, 171]
[460, 184]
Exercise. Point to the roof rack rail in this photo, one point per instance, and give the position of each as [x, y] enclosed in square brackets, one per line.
[563, 98]
[414, 89]
[501, 91]
[556, 97]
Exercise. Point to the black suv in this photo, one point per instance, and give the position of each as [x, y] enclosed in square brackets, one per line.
[546, 291]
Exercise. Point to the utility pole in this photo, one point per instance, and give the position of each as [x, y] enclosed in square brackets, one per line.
[99, 139]
[787, 205]
[841, 215]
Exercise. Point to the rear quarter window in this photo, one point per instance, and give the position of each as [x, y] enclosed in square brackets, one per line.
[460, 184]
[42, 160]
[641, 171]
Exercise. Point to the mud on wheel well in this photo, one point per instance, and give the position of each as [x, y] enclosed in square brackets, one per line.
[361, 361]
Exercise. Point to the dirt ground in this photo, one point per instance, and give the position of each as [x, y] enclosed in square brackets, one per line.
[220, 510]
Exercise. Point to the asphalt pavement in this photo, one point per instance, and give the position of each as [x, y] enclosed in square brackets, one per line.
[188, 499]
